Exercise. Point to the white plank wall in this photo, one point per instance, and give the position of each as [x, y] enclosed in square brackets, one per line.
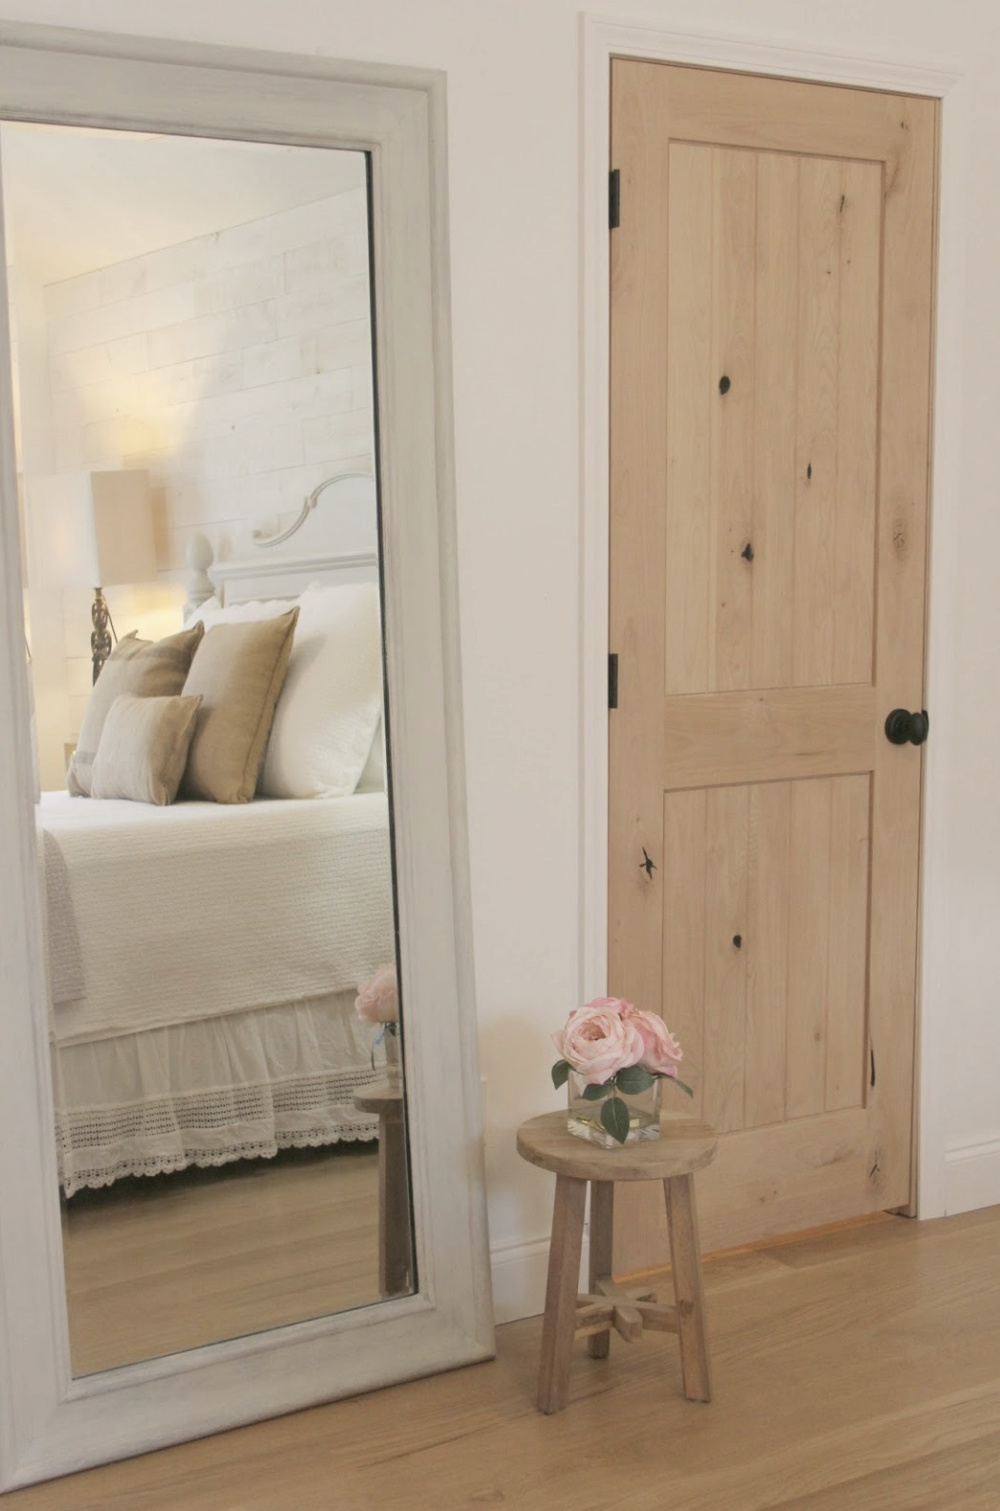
[235, 367]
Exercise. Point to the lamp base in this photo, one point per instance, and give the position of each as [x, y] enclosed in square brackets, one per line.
[100, 638]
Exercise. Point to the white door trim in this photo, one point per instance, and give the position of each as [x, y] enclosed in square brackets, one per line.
[602, 40]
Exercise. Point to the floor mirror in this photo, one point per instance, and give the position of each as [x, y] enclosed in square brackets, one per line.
[241, 1162]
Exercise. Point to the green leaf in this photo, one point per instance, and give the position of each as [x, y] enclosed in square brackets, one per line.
[614, 1117]
[674, 1082]
[560, 1073]
[595, 1093]
[633, 1079]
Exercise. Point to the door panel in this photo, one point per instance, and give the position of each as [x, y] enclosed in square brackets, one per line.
[769, 575]
[765, 928]
[770, 358]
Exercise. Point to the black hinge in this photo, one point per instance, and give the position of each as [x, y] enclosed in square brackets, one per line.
[614, 198]
[613, 681]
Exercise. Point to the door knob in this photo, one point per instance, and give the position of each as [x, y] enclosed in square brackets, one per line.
[904, 728]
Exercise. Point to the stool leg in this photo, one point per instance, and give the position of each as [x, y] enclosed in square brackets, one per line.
[561, 1292]
[395, 1260]
[685, 1259]
[602, 1228]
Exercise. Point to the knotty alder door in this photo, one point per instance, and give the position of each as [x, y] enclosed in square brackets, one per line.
[771, 281]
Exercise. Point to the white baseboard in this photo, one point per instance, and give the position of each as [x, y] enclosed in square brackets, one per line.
[972, 1176]
[519, 1271]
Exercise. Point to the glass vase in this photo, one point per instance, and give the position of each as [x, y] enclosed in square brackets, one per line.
[393, 1058]
[584, 1119]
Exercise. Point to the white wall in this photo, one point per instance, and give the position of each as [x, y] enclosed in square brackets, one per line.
[35, 452]
[513, 109]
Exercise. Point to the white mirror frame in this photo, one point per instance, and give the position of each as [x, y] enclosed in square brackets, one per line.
[51, 1423]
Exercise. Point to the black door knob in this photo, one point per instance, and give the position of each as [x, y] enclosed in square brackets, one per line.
[904, 728]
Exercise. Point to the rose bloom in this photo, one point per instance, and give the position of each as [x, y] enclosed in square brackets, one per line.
[597, 1041]
[378, 999]
[661, 1052]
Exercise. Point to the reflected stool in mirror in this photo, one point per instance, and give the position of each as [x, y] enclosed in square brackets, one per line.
[395, 1260]
[684, 1146]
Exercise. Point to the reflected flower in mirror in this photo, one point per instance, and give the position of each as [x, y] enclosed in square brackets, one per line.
[377, 1004]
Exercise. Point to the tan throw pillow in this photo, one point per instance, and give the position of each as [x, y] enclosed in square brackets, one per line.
[144, 668]
[238, 670]
[144, 748]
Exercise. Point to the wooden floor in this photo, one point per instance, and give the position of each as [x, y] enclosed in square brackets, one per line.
[157, 1265]
[854, 1371]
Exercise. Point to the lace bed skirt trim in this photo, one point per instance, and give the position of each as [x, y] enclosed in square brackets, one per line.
[208, 1093]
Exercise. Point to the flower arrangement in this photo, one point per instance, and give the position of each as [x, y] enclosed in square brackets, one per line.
[616, 1051]
[378, 1000]
[377, 1005]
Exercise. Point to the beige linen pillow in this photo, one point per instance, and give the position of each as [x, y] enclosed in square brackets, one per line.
[238, 670]
[144, 668]
[144, 748]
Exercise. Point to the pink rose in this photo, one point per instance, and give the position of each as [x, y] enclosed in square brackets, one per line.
[661, 1052]
[615, 1004]
[378, 999]
[597, 1041]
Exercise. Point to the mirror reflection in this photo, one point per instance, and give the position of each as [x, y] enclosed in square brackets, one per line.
[191, 340]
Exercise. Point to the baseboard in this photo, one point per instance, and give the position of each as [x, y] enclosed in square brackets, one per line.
[972, 1176]
[519, 1271]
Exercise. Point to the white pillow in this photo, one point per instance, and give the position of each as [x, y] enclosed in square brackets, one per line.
[210, 606]
[212, 613]
[373, 776]
[331, 702]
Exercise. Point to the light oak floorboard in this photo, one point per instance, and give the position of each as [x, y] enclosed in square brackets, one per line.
[172, 1262]
[855, 1368]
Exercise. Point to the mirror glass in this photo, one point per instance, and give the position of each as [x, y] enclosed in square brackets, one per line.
[191, 332]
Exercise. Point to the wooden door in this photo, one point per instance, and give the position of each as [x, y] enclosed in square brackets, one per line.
[770, 393]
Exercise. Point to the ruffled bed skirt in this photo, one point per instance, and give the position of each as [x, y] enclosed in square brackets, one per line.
[208, 1092]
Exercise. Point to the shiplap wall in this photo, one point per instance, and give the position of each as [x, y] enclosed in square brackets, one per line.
[235, 367]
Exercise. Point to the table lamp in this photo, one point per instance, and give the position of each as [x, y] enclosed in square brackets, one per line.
[94, 529]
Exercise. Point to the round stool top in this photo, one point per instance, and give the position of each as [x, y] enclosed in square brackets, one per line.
[380, 1097]
[685, 1144]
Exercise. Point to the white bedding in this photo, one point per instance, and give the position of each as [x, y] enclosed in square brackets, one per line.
[168, 915]
[209, 1092]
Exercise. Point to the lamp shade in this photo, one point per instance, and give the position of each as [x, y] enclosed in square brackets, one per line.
[93, 529]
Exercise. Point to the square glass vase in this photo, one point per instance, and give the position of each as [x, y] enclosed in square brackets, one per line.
[393, 1056]
[584, 1119]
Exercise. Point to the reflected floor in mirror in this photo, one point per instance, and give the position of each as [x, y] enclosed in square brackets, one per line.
[176, 1261]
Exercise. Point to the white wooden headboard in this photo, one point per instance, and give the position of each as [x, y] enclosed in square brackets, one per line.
[334, 538]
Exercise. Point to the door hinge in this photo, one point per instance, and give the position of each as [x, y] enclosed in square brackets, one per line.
[614, 199]
[613, 681]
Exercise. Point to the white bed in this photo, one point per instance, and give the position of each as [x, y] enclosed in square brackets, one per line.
[204, 962]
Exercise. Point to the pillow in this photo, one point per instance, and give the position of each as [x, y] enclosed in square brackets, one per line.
[212, 612]
[144, 748]
[238, 670]
[144, 668]
[373, 777]
[202, 612]
[329, 710]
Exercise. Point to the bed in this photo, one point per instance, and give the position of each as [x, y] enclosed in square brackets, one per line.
[204, 957]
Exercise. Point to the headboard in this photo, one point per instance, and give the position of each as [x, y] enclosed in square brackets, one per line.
[334, 538]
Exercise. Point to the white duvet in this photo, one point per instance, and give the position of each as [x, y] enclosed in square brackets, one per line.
[163, 915]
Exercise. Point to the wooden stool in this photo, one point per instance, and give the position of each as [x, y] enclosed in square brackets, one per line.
[395, 1262]
[684, 1146]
